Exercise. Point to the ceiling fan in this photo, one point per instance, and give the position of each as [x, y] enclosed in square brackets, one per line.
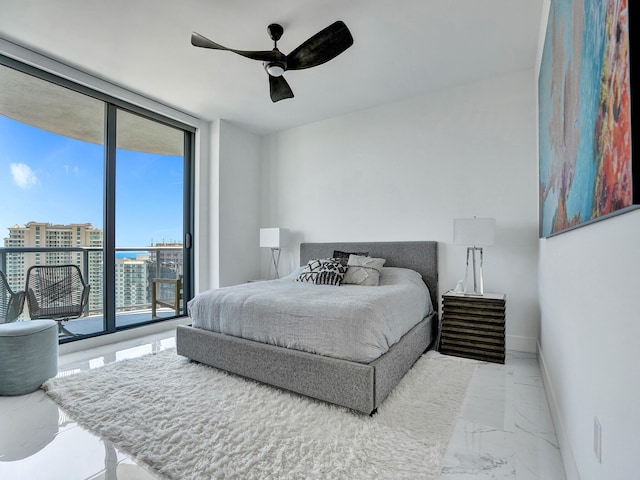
[320, 48]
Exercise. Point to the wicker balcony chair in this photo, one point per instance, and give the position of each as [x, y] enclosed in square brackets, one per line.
[56, 292]
[11, 303]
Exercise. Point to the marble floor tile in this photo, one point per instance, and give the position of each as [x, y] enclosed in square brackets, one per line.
[504, 430]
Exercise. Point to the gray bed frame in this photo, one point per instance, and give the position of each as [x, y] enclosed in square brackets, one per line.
[359, 386]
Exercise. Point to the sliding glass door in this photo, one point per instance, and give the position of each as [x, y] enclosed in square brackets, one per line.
[149, 219]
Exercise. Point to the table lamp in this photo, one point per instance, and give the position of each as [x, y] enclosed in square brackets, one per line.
[475, 233]
[275, 239]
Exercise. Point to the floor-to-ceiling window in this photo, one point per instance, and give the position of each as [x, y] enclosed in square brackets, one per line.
[91, 180]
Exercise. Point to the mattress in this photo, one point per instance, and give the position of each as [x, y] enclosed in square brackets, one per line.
[350, 322]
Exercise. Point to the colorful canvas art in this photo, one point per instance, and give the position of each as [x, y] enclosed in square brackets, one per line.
[584, 114]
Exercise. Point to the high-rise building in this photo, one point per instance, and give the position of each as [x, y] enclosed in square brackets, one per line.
[133, 275]
[38, 234]
[166, 262]
[131, 283]
[169, 259]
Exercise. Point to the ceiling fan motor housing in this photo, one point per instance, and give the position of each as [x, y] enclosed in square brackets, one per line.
[277, 67]
[275, 31]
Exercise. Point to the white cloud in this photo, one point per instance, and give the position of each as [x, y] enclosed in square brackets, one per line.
[23, 176]
[73, 169]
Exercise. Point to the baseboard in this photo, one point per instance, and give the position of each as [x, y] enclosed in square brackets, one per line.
[128, 334]
[521, 344]
[568, 460]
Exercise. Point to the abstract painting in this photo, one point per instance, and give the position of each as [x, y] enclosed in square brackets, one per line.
[584, 95]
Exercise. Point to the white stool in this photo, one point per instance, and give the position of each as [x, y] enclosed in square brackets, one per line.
[28, 355]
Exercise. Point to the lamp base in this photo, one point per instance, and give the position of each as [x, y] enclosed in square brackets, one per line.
[473, 294]
[275, 259]
[478, 284]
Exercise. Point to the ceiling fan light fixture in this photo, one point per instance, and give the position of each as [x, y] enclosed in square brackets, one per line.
[274, 69]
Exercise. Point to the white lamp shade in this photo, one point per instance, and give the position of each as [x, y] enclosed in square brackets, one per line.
[274, 237]
[476, 232]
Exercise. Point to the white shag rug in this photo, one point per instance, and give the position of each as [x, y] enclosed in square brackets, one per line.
[189, 421]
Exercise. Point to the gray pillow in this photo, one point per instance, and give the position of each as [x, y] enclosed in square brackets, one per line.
[363, 270]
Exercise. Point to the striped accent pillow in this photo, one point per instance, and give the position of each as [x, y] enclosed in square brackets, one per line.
[324, 271]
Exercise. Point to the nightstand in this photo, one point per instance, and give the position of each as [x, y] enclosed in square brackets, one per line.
[473, 326]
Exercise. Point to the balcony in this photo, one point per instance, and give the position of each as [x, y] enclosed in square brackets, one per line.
[137, 270]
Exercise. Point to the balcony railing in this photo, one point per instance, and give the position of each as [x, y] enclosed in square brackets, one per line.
[136, 267]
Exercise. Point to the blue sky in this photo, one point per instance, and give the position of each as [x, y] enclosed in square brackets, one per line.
[49, 178]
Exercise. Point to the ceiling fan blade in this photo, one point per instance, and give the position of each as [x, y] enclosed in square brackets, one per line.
[279, 88]
[198, 40]
[322, 47]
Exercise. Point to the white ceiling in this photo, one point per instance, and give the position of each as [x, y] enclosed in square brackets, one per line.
[402, 49]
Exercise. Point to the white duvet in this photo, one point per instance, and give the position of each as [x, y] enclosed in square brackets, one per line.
[352, 322]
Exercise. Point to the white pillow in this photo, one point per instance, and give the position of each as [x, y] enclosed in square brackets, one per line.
[363, 270]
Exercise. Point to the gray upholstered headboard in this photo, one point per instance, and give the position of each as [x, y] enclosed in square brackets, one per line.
[419, 256]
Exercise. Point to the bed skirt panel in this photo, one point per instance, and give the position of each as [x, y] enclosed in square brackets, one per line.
[329, 379]
[358, 386]
[392, 366]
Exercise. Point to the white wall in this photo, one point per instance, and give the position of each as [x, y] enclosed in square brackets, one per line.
[590, 328]
[403, 171]
[235, 205]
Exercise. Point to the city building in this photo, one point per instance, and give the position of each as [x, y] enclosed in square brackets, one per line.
[133, 275]
[132, 283]
[47, 235]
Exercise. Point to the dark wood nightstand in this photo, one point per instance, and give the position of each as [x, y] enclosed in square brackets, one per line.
[473, 326]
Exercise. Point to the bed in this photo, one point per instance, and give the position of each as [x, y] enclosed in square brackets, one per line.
[359, 385]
